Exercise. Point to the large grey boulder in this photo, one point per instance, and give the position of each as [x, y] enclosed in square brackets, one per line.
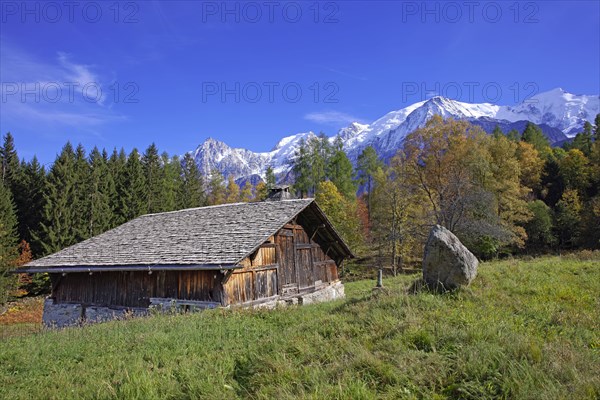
[447, 263]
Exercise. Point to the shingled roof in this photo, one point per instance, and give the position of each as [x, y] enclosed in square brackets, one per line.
[214, 237]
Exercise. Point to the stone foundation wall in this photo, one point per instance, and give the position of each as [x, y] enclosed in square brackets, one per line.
[329, 292]
[63, 315]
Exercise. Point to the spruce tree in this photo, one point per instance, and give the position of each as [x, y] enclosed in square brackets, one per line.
[171, 182]
[583, 140]
[367, 165]
[301, 168]
[59, 217]
[8, 242]
[340, 170]
[100, 192]
[597, 128]
[10, 162]
[133, 194]
[153, 178]
[192, 188]
[514, 135]
[117, 168]
[534, 136]
[81, 200]
[270, 177]
[29, 199]
[319, 154]
[497, 132]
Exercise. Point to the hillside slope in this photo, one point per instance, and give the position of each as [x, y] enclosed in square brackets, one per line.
[526, 330]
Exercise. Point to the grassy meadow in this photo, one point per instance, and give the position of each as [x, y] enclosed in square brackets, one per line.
[523, 330]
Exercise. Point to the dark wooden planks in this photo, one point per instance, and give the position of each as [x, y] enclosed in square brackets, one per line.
[134, 289]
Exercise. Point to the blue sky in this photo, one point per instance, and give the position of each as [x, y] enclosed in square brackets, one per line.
[125, 74]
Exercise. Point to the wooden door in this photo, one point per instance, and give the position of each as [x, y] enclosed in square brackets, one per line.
[304, 266]
[286, 258]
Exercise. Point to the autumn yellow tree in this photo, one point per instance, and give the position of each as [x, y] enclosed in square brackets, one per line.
[232, 191]
[246, 193]
[396, 213]
[531, 165]
[505, 183]
[261, 191]
[442, 160]
[341, 211]
[472, 183]
[216, 189]
[575, 170]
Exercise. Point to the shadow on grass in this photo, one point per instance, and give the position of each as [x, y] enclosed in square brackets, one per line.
[420, 286]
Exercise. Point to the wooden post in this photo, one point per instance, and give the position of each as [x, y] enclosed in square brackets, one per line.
[379, 278]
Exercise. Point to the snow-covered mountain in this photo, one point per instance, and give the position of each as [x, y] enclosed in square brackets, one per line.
[560, 115]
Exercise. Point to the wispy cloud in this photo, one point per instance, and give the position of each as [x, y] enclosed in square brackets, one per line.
[336, 118]
[59, 91]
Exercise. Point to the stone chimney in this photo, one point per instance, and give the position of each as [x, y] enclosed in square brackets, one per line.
[280, 192]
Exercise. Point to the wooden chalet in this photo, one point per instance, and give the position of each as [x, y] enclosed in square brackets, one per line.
[247, 254]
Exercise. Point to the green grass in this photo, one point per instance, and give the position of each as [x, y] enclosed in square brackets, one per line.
[523, 330]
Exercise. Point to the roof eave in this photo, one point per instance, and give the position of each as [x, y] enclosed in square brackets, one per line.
[340, 240]
[124, 268]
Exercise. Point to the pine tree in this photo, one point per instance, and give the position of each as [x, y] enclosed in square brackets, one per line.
[583, 141]
[153, 178]
[340, 170]
[100, 190]
[514, 135]
[171, 182]
[29, 199]
[367, 164]
[233, 191]
[216, 188]
[539, 228]
[10, 162]
[8, 242]
[597, 128]
[534, 135]
[133, 198]
[116, 166]
[301, 168]
[192, 189]
[319, 153]
[57, 229]
[270, 178]
[81, 200]
[497, 132]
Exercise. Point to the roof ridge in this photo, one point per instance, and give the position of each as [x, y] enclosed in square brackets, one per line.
[221, 205]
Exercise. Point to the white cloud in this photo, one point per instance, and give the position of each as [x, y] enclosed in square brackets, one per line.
[59, 91]
[331, 118]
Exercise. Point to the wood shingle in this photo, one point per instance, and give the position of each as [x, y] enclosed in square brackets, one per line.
[216, 237]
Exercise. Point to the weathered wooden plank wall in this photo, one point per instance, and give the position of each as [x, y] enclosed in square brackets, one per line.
[257, 279]
[134, 289]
